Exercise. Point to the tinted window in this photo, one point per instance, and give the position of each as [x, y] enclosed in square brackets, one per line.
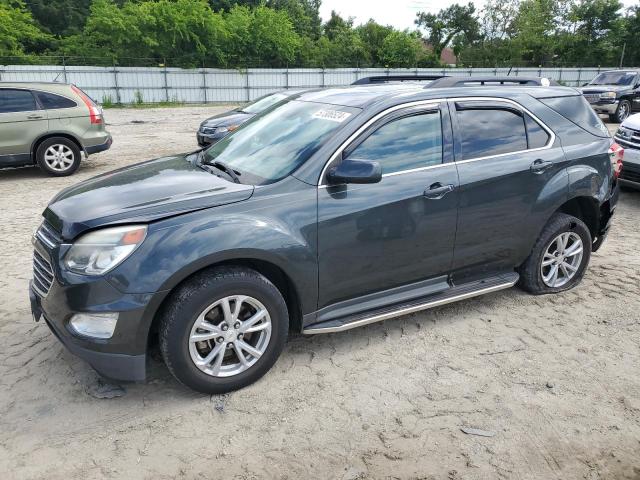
[16, 101]
[577, 110]
[614, 78]
[489, 131]
[403, 144]
[51, 101]
[537, 136]
[263, 103]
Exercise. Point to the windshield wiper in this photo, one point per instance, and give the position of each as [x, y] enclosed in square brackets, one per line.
[226, 169]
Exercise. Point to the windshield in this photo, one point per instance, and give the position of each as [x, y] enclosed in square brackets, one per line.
[272, 145]
[614, 78]
[263, 103]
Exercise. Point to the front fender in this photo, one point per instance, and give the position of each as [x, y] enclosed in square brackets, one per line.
[282, 234]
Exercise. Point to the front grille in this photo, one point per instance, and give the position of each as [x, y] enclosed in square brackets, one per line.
[42, 274]
[630, 172]
[629, 141]
[591, 97]
[47, 235]
[208, 130]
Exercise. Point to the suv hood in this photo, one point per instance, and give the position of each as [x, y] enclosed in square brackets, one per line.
[604, 88]
[632, 121]
[226, 119]
[140, 193]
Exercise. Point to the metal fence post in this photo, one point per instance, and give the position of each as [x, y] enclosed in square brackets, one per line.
[323, 80]
[204, 83]
[115, 83]
[579, 76]
[64, 69]
[286, 78]
[246, 84]
[166, 83]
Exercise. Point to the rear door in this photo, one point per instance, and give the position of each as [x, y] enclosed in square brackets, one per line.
[21, 122]
[507, 161]
[384, 235]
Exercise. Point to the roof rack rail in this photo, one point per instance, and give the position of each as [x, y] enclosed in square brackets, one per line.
[396, 78]
[492, 81]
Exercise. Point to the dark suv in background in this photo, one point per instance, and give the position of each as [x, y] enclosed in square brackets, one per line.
[615, 93]
[333, 209]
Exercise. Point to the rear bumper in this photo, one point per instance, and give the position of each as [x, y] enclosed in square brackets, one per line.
[606, 214]
[99, 148]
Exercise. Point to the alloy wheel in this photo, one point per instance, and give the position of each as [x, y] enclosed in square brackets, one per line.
[230, 336]
[561, 260]
[59, 157]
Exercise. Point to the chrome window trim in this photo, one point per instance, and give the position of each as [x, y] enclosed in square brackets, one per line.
[436, 103]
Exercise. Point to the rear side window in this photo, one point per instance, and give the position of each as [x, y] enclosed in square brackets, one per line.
[490, 131]
[536, 135]
[52, 101]
[577, 110]
[404, 143]
[16, 101]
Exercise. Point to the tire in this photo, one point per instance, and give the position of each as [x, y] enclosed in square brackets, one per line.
[622, 112]
[58, 156]
[205, 293]
[538, 279]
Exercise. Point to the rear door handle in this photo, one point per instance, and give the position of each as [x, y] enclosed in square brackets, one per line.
[437, 191]
[539, 165]
[34, 117]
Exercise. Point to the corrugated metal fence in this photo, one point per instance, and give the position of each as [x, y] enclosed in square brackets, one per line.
[207, 85]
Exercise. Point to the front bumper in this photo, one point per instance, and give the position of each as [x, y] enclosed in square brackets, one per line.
[205, 140]
[630, 176]
[121, 357]
[608, 108]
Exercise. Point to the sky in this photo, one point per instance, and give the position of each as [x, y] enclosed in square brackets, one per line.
[398, 13]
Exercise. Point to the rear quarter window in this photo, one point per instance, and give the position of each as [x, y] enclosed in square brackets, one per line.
[577, 110]
[51, 101]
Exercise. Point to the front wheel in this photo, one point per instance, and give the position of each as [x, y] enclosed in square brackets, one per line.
[223, 329]
[559, 257]
[622, 112]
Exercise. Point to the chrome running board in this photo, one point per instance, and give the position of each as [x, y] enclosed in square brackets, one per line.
[454, 295]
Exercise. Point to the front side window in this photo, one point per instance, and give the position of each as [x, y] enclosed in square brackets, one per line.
[16, 101]
[275, 143]
[51, 101]
[404, 144]
[488, 131]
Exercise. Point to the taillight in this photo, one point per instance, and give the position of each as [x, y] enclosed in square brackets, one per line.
[616, 153]
[94, 112]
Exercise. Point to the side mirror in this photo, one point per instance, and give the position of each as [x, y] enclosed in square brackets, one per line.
[355, 171]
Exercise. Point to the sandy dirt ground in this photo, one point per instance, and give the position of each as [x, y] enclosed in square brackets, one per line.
[556, 378]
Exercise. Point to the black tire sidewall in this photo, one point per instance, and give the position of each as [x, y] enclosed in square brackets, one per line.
[42, 148]
[175, 343]
[531, 274]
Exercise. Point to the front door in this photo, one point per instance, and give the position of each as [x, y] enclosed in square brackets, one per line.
[379, 236]
[21, 122]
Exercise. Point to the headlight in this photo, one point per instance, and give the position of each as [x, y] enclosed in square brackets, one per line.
[608, 95]
[98, 252]
[228, 128]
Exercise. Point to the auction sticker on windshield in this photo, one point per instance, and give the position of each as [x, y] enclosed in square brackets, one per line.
[333, 115]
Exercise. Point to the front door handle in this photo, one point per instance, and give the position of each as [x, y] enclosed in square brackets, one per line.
[539, 165]
[437, 191]
[34, 117]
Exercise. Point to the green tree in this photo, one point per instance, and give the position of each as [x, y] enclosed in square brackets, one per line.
[455, 21]
[401, 49]
[60, 17]
[304, 14]
[19, 34]
[373, 36]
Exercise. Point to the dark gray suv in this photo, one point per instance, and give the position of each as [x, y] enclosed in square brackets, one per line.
[334, 209]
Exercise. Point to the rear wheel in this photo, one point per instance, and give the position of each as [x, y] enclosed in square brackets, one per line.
[223, 329]
[559, 257]
[58, 156]
[622, 112]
